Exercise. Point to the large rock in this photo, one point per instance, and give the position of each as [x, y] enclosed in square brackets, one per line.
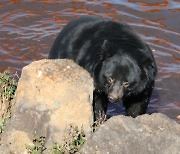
[147, 134]
[51, 96]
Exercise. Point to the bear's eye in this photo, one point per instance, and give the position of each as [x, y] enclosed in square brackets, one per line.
[125, 84]
[110, 80]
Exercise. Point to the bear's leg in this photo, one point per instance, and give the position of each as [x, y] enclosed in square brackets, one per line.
[137, 105]
[100, 103]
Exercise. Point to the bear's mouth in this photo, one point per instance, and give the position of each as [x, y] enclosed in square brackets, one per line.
[113, 99]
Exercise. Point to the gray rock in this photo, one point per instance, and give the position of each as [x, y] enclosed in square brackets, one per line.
[146, 134]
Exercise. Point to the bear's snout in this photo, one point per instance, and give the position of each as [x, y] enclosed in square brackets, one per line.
[115, 94]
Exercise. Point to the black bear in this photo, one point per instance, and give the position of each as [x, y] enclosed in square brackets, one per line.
[120, 62]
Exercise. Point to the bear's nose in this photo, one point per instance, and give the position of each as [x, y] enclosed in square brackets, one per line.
[110, 99]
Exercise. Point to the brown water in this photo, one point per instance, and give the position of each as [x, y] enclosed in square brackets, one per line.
[28, 29]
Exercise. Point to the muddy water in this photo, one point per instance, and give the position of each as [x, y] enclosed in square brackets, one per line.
[28, 29]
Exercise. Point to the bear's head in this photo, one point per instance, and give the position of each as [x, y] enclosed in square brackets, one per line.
[119, 76]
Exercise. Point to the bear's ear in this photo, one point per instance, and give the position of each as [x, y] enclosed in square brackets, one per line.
[104, 50]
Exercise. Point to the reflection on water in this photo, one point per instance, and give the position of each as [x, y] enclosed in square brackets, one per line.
[28, 29]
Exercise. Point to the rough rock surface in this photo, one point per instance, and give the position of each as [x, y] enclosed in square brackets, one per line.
[146, 134]
[51, 96]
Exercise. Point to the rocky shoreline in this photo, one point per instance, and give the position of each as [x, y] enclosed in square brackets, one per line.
[54, 94]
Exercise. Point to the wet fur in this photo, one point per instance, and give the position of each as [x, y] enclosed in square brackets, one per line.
[122, 65]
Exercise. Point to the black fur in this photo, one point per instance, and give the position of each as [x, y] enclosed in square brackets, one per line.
[122, 65]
